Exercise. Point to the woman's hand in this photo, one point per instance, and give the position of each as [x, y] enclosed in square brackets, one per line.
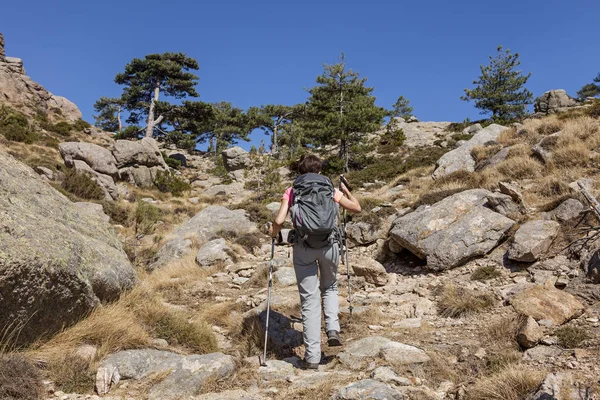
[344, 189]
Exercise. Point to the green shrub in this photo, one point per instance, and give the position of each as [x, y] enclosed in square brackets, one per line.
[118, 213]
[145, 218]
[220, 171]
[168, 182]
[19, 378]
[81, 185]
[80, 125]
[172, 163]
[461, 136]
[594, 110]
[571, 337]
[15, 126]
[130, 132]
[256, 211]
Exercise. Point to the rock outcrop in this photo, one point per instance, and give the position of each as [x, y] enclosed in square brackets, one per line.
[533, 240]
[553, 101]
[421, 134]
[551, 305]
[21, 92]
[453, 231]
[236, 160]
[57, 260]
[460, 159]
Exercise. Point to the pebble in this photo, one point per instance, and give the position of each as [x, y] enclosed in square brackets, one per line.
[375, 327]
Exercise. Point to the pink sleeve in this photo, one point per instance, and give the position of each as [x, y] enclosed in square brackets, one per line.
[337, 196]
[287, 195]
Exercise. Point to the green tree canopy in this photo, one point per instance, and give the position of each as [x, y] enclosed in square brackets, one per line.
[401, 108]
[144, 80]
[341, 110]
[272, 118]
[500, 88]
[108, 115]
[590, 89]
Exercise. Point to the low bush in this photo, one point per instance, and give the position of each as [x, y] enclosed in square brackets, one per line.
[19, 378]
[80, 125]
[485, 273]
[61, 128]
[461, 136]
[172, 163]
[81, 185]
[70, 373]
[255, 210]
[454, 301]
[15, 126]
[249, 241]
[119, 214]
[168, 182]
[571, 336]
[130, 132]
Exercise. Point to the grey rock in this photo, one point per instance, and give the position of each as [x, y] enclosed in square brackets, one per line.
[188, 373]
[566, 211]
[452, 231]
[57, 260]
[529, 333]
[233, 189]
[512, 190]
[590, 263]
[275, 370]
[543, 149]
[421, 134]
[273, 207]
[140, 176]
[356, 353]
[408, 323]
[401, 354]
[15, 65]
[106, 182]
[496, 158]
[212, 252]
[172, 250]
[285, 276]
[143, 152]
[542, 353]
[94, 210]
[235, 158]
[362, 233]
[371, 270]
[549, 389]
[533, 240]
[106, 378]
[368, 389]
[97, 157]
[553, 101]
[45, 173]
[387, 375]
[471, 130]
[460, 159]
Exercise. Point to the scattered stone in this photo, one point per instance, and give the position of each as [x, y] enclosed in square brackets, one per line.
[533, 240]
[362, 233]
[275, 371]
[542, 353]
[172, 250]
[567, 211]
[387, 375]
[214, 251]
[356, 352]
[371, 270]
[231, 190]
[511, 190]
[548, 304]
[529, 333]
[45, 173]
[106, 377]
[368, 389]
[460, 159]
[408, 323]
[400, 354]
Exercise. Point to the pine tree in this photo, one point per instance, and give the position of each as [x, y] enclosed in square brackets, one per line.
[590, 89]
[145, 79]
[341, 110]
[271, 119]
[500, 88]
[109, 114]
[401, 108]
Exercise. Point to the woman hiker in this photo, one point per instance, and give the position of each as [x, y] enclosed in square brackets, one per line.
[313, 203]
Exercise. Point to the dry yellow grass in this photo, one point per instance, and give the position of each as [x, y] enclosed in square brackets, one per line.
[481, 153]
[454, 301]
[514, 382]
[520, 167]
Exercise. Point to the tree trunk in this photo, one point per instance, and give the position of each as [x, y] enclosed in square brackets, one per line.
[274, 140]
[119, 118]
[151, 121]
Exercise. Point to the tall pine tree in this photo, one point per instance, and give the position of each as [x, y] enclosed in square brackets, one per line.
[145, 79]
[272, 119]
[590, 89]
[109, 114]
[341, 110]
[500, 88]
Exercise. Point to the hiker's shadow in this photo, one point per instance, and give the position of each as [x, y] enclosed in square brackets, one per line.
[283, 337]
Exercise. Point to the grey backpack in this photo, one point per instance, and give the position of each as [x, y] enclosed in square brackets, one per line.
[314, 212]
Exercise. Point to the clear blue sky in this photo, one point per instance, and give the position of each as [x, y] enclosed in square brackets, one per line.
[261, 52]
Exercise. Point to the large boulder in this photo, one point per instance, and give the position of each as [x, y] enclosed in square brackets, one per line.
[137, 153]
[460, 159]
[204, 226]
[368, 389]
[57, 260]
[235, 158]
[547, 304]
[454, 230]
[186, 376]
[371, 270]
[140, 176]
[362, 232]
[533, 240]
[421, 134]
[553, 101]
[212, 252]
[97, 157]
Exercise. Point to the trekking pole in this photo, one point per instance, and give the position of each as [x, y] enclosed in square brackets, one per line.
[264, 360]
[345, 248]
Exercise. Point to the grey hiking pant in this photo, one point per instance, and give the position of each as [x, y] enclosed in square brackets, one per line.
[307, 263]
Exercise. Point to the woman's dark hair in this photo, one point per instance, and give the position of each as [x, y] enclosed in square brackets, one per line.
[310, 163]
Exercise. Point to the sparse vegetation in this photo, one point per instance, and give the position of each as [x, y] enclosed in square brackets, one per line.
[485, 273]
[454, 301]
[15, 126]
[19, 378]
[571, 336]
[168, 182]
[70, 373]
[512, 383]
[81, 185]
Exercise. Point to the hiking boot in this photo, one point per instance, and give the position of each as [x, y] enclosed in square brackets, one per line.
[307, 365]
[333, 338]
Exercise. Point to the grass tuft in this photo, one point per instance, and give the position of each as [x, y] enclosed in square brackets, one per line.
[571, 337]
[19, 378]
[485, 273]
[511, 383]
[455, 302]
